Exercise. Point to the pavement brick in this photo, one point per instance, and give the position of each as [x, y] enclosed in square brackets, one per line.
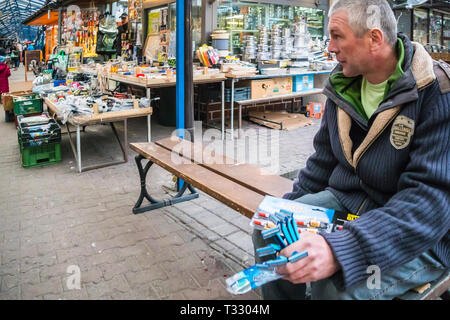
[37, 262]
[142, 277]
[118, 284]
[213, 291]
[8, 282]
[30, 277]
[75, 294]
[241, 240]
[145, 292]
[111, 270]
[92, 275]
[52, 286]
[66, 254]
[11, 294]
[155, 257]
[225, 229]
[58, 270]
[165, 288]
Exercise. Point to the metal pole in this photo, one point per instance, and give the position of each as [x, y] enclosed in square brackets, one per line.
[78, 149]
[180, 99]
[60, 25]
[188, 72]
[232, 108]
[180, 69]
[223, 109]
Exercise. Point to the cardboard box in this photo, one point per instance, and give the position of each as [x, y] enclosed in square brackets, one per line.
[269, 87]
[282, 85]
[279, 120]
[303, 82]
[7, 99]
[261, 88]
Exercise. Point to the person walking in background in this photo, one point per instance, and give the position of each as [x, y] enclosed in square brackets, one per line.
[23, 54]
[15, 57]
[5, 73]
[19, 48]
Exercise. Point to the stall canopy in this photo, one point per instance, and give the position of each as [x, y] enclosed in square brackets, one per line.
[12, 13]
[47, 15]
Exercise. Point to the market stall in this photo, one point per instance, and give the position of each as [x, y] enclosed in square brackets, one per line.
[281, 48]
[96, 117]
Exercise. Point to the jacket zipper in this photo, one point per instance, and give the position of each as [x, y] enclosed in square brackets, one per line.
[361, 206]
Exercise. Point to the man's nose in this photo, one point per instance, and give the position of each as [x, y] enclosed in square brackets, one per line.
[332, 47]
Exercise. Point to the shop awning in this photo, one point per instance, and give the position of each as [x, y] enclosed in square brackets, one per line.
[45, 18]
[42, 17]
[13, 12]
[155, 3]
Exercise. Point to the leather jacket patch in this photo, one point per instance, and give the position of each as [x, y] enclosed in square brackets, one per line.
[401, 132]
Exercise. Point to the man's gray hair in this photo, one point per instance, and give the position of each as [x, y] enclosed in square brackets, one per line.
[364, 15]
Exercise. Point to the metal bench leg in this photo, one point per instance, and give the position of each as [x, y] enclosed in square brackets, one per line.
[156, 204]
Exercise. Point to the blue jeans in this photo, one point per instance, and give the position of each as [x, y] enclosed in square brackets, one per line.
[393, 283]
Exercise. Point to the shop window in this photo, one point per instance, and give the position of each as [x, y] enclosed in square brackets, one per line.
[435, 28]
[196, 20]
[446, 26]
[404, 21]
[420, 26]
[241, 18]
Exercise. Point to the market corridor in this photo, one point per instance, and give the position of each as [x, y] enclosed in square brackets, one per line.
[54, 220]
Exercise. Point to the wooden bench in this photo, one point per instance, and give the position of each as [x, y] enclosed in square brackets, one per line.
[241, 187]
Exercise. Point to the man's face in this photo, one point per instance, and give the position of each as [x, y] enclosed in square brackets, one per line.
[351, 52]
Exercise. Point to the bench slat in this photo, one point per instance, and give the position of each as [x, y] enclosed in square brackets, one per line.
[233, 195]
[256, 179]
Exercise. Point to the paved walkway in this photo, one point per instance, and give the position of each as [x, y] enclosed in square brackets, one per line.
[54, 220]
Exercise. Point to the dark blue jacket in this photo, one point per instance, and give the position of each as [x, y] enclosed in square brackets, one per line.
[392, 170]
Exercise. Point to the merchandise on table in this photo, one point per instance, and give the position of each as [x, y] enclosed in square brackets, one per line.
[72, 106]
[285, 221]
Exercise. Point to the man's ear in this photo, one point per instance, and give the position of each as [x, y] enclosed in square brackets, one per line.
[376, 38]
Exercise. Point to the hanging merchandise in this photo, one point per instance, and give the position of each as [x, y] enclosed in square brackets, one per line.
[106, 35]
[89, 34]
[60, 61]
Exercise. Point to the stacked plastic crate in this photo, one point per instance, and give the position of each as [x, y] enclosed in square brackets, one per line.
[27, 105]
[39, 140]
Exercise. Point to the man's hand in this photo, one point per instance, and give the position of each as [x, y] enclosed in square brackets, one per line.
[319, 264]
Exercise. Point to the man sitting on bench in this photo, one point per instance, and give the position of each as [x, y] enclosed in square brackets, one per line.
[382, 153]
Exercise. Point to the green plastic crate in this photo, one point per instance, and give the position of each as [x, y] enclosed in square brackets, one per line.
[37, 156]
[31, 104]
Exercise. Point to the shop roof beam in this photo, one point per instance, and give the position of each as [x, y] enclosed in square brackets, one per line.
[13, 12]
